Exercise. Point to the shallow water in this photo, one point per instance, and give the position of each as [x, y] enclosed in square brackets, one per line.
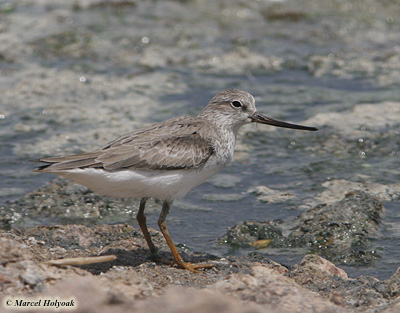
[74, 78]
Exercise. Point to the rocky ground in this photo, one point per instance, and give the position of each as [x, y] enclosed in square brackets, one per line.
[235, 284]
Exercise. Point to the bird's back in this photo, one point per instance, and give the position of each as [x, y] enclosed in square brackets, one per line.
[179, 143]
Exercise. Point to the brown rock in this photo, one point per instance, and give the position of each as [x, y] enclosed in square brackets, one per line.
[321, 266]
[275, 292]
[393, 284]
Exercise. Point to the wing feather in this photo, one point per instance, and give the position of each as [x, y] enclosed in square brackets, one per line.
[180, 143]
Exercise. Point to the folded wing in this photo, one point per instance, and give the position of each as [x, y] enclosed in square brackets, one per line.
[174, 144]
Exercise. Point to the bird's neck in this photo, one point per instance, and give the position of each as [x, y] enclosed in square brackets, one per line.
[224, 137]
[221, 121]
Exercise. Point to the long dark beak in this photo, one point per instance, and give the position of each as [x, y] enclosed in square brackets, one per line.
[259, 118]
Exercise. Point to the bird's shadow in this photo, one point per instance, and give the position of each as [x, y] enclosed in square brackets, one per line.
[131, 258]
[134, 258]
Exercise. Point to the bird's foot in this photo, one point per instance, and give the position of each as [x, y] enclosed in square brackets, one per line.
[185, 265]
[193, 267]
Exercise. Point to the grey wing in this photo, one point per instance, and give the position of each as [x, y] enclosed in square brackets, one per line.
[68, 162]
[163, 146]
[185, 151]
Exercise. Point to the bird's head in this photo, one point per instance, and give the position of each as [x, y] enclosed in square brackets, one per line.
[234, 108]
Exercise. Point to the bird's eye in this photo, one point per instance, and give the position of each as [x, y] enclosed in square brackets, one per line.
[236, 104]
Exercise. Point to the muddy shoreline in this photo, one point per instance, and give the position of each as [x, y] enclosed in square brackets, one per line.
[339, 231]
[235, 284]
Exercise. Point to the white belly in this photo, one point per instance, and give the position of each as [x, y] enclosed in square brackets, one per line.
[164, 185]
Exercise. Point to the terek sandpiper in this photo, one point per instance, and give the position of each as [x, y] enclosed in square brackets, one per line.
[166, 160]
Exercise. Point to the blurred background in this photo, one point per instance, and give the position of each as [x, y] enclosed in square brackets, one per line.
[77, 74]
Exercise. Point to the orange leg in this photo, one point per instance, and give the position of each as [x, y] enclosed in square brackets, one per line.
[177, 258]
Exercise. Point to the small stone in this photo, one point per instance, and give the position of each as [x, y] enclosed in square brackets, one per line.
[32, 276]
